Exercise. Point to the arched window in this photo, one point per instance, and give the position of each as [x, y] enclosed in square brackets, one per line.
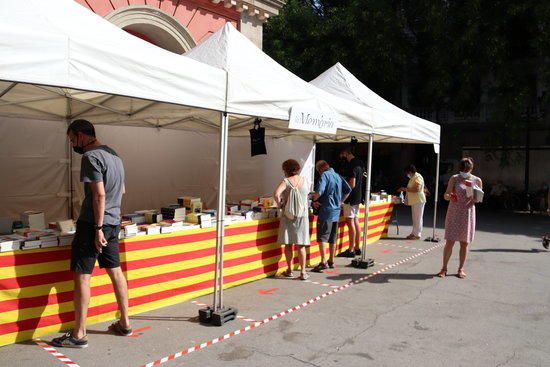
[154, 26]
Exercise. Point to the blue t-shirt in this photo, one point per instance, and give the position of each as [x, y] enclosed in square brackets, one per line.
[332, 187]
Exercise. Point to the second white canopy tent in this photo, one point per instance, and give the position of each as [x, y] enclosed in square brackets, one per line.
[340, 82]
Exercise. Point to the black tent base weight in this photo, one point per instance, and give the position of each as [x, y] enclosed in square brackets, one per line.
[217, 318]
[432, 239]
[362, 264]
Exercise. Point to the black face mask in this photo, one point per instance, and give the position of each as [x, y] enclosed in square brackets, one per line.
[80, 150]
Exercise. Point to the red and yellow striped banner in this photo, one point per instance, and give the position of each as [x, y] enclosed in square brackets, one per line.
[36, 286]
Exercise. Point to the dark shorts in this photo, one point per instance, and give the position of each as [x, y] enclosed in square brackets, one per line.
[84, 253]
[326, 231]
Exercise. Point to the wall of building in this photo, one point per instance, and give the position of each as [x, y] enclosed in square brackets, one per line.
[178, 25]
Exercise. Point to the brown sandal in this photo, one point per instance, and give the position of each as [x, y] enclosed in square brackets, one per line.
[287, 273]
[118, 329]
[461, 274]
[442, 273]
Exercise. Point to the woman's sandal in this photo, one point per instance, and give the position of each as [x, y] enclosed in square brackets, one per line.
[442, 273]
[304, 276]
[288, 273]
[118, 329]
[461, 274]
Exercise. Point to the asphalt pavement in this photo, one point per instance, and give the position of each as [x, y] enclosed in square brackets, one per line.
[397, 313]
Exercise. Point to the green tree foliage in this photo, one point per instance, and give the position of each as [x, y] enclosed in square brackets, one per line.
[453, 55]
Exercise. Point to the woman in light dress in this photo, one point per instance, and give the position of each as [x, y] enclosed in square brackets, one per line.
[460, 223]
[293, 232]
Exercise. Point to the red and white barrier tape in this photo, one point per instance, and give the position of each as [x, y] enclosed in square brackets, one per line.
[246, 319]
[283, 313]
[60, 356]
[321, 284]
[400, 246]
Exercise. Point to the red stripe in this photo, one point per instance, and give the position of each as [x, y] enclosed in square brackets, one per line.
[66, 296]
[33, 280]
[42, 301]
[59, 255]
[65, 317]
[22, 258]
[65, 275]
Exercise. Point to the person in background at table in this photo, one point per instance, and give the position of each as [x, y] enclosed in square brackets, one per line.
[416, 199]
[460, 223]
[97, 228]
[331, 191]
[354, 177]
[293, 232]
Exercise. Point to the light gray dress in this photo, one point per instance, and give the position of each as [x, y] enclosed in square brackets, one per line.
[294, 231]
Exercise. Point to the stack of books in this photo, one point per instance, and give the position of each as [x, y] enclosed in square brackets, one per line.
[65, 239]
[33, 219]
[10, 242]
[176, 213]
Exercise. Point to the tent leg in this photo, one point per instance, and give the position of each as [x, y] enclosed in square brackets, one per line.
[314, 152]
[362, 261]
[433, 238]
[218, 314]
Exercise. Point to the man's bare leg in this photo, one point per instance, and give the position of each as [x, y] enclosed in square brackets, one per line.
[121, 291]
[81, 303]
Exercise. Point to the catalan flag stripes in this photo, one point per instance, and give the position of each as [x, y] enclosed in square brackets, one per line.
[36, 287]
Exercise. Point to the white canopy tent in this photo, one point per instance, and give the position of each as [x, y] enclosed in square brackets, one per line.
[58, 61]
[258, 86]
[61, 61]
[399, 125]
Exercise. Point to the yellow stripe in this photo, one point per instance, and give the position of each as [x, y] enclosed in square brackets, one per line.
[140, 273]
[43, 268]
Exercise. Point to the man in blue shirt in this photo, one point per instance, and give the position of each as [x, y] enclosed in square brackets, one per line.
[331, 191]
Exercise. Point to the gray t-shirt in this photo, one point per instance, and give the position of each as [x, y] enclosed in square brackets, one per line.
[102, 164]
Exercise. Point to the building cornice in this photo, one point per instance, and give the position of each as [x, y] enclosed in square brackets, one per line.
[261, 9]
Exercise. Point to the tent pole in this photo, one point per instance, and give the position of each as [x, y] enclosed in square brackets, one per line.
[367, 200]
[436, 194]
[314, 151]
[218, 273]
[223, 193]
[70, 204]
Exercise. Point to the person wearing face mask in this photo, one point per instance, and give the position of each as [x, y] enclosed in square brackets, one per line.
[460, 222]
[416, 199]
[97, 228]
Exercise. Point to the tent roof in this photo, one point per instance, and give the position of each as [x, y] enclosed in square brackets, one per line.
[389, 120]
[60, 60]
[259, 86]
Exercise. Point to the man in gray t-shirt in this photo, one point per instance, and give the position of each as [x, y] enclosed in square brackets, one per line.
[97, 228]
[102, 164]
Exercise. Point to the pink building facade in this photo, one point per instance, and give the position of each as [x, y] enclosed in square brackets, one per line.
[178, 25]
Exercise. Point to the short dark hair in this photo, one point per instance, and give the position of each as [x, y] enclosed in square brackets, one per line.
[347, 150]
[466, 164]
[410, 168]
[81, 126]
[291, 167]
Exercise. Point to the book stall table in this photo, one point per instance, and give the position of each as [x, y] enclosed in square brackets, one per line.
[36, 286]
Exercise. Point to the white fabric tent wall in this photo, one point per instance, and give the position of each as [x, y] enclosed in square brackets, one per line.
[33, 166]
[160, 165]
